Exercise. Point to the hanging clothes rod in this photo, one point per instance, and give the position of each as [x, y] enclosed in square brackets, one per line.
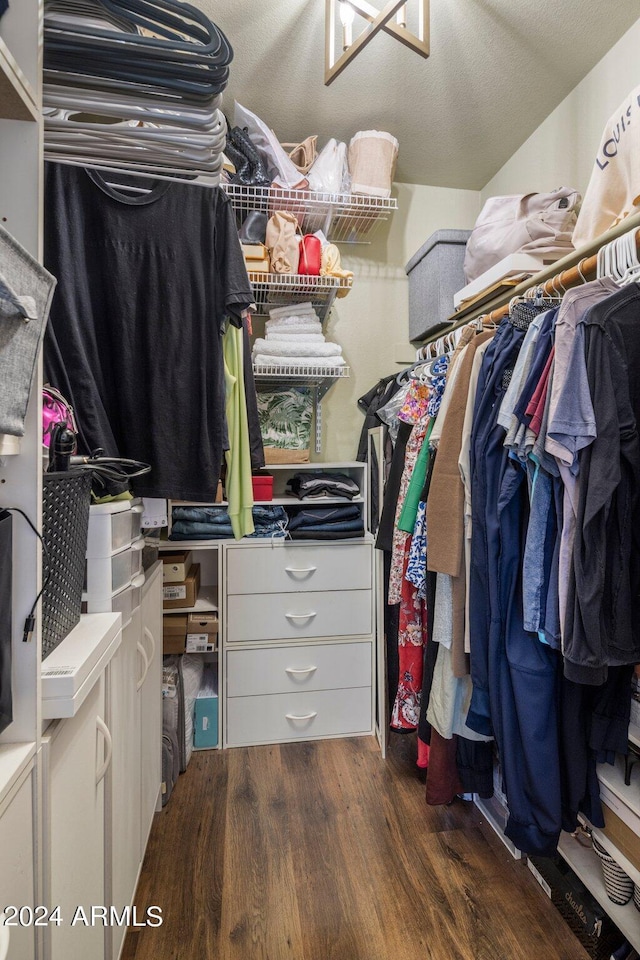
[586, 259]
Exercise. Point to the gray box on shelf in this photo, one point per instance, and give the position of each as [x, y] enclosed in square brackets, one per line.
[435, 273]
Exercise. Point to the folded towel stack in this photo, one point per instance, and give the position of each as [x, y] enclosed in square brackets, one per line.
[294, 337]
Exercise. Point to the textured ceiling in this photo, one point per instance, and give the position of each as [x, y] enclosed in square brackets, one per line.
[497, 69]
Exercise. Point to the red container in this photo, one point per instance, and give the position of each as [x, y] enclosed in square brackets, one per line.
[262, 486]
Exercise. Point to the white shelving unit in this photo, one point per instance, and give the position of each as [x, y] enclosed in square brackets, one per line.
[343, 217]
[272, 290]
[584, 862]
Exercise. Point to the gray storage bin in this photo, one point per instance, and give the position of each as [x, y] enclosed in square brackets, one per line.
[435, 273]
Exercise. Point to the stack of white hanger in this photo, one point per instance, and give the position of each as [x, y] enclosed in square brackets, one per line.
[135, 85]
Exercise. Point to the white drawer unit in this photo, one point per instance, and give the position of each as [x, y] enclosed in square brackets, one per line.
[113, 526]
[298, 716]
[296, 567]
[293, 669]
[106, 575]
[295, 616]
[123, 601]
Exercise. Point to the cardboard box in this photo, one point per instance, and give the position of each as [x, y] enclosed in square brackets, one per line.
[202, 622]
[205, 726]
[174, 633]
[176, 566]
[620, 834]
[200, 643]
[176, 596]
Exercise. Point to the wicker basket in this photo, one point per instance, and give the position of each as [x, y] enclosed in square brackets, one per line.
[65, 525]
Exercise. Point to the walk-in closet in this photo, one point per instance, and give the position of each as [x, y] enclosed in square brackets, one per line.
[319, 480]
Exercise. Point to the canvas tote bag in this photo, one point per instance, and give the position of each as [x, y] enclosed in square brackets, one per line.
[282, 241]
[540, 224]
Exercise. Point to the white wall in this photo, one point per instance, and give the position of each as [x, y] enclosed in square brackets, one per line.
[562, 150]
[371, 323]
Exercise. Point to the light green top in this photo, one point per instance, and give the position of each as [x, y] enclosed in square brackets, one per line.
[238, 456]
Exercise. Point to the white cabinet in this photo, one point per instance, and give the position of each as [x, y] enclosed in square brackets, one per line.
[151, 704]
[76, 753]
[318, 599]
[123, 807]
[18, 873]
[135, 721]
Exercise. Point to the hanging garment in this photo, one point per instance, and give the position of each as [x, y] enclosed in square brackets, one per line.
[238, 484]
[146, 284]
[515, 677]
[602, 625]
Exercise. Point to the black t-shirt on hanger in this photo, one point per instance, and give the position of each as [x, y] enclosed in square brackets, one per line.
[146, 282]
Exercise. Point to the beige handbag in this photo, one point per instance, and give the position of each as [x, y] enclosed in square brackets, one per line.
[282, 241]
[331, 267]
[302, 155]
[539, 224]
[256, 257]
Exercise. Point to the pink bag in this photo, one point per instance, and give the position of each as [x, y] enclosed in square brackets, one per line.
[55, 409]
[310, 255]
[539, 224]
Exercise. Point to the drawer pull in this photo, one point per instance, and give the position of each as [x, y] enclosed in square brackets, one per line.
[300, 569]
[293, 670]
[306, 716]
[300, 616]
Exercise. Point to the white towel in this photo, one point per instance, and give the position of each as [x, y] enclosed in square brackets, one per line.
[296, 337]
[293, 310]
[260, 360]
[280, 348]
[293, 324]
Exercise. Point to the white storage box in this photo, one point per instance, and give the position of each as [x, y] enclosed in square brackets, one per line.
[113, 526]
[106, 575]
[122, 601]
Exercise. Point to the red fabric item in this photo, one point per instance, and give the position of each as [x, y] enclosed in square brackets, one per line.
[423, 754]
[443, 782]
[310, 256]
[411, 640]
[535, 409]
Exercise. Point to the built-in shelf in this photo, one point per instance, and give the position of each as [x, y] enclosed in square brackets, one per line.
[17, 98]
[271, 290]
[207, 601]
[342, 217]
[584, 862]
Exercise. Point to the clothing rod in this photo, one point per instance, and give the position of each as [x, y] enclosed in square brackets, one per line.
[585, 254]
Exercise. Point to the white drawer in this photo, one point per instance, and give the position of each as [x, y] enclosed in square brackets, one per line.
[298, 716]
[293, 669]
[106, 575]
[294, 616]
[113, 526]
[335, 566]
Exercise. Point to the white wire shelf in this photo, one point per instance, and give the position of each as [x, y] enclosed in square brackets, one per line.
[301, 374]
[343, 217]
[272, 290]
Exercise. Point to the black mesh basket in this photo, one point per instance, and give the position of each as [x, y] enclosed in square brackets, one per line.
[65, 526]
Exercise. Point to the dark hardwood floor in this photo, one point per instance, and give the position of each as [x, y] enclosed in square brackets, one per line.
[324, 851]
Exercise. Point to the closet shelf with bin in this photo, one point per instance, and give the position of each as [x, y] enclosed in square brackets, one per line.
[342, 217]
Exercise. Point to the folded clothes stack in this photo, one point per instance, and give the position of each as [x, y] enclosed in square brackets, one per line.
[294, 337]
[312, 486]
[213, 523]
[326, 523]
